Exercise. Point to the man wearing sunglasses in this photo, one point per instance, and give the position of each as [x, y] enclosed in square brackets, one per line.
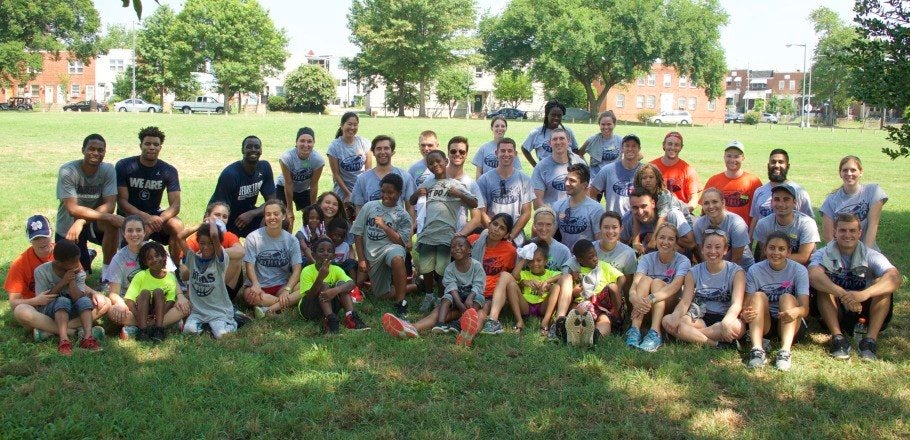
[644, 209]
[507, 190]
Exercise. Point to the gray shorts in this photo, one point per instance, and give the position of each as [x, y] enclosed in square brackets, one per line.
[74, 308]
[478, 298]
[381, 269]
[433, 258]
[220, 326]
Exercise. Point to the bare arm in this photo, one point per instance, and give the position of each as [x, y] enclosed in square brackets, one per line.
[314, 184]
[528, 157]
[288, 193]
[523, 219]
[875, 213]
[805, 252]
[336, 177]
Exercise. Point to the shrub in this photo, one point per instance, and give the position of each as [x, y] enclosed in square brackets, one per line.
[752, 118]
[644, 115]
[278, 103]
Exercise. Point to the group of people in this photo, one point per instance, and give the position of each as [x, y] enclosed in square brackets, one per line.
[615, 245]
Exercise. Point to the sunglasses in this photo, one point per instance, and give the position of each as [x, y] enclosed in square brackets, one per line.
[455, 151]
[712, 231]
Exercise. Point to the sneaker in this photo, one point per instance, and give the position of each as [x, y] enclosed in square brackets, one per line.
[241, 318]
[440, 328]
[97, 332]
[597, 336]
[551, 334]
[757, 358]
[470, 325]
[330, 324]
[157, 334]
[40, 335]
[65, 347]
[492, 327]
[90, 344]
[651, 342]
[398, 327]
[840, 347]
[732, 345]
[633, 337]
[260, 312]
[453, 326]
[356, 295]
[129, 332]
[142, 335]
[867, 349]
[560, 326]
[400, 309]
[429, 301]
[353, 322]
[782, 361]
[573, 325]
[586, 333]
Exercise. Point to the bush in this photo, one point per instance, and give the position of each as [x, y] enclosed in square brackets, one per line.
[752, 118]
[278, 103]
[644, 115]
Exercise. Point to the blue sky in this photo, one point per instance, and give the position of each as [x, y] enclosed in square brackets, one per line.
[755, 37]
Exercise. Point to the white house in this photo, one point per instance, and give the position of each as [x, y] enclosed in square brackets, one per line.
[346, 91]
[107, 67]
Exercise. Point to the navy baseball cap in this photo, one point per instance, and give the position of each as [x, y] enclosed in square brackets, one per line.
[785, 187]
[37, 226]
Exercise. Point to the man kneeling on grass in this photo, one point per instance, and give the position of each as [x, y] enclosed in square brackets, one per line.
[463, 282]
[325, 289]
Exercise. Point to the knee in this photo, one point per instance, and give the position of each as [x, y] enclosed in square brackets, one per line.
[175, 225]
[103, 304]
[24, 313]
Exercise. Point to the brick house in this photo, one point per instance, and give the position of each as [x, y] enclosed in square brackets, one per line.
[60, 81]
[744, 86]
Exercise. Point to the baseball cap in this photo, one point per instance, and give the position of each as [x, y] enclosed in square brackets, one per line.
[736, 144]
[675, 134]
[631, 137]
[785, 187]
[37, 226]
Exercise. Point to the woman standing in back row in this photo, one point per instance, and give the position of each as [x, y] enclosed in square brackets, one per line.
[865, 201]
[349, 156]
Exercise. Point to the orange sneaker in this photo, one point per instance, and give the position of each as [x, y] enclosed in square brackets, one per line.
[65, 347]
[470, 325]
[90, 344]
[398, 327]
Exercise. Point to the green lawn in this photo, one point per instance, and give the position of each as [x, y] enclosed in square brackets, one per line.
[282, 378]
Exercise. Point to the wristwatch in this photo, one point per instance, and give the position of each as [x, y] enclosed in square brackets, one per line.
[652, 298]
[286, 288]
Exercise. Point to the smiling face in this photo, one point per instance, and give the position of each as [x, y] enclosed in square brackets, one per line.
[733, 159]
[559, 141]
[436, 164]
[460, 249]
[666, 240]
[428, 144]
[607, 124]
[313, 219]
[648, 179]
[538, 264]
[350, 126]
[630, 150]
[274, 216]
[389, 194]
[383, 153]
[458, 152]
[134, 233]
[778, 166]
[324, 251]
[252, 149]
[505, 152]
[149, 148]
[783, 203]
[610, 229]
[712, 205]
[714, 248]
[329, 206]
[554, 118]
[544, 226]
[777, 250]
[642, 208]
[93, 153]
[672, 147]
[851, 172]
[155, 261]
[847, 234]
[588, 258]
[42, 246]
[305, 144]
[574, 186]
[498, 128]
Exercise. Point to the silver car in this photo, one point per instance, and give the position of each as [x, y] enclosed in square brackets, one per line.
[137, 105]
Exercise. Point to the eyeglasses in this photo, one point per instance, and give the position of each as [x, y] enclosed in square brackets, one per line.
[459, 152]
[502, 187]
[718, 232]
[427, 145]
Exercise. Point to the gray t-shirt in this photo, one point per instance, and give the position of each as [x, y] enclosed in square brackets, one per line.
[714, 291]
[485, 158]
[368, 187]
[45, 279]
[89, 191]
[559, 256]
[792, 279]
[651, 266]
[352, 160]
[801, 230]
[616, 182]
[273, 258]
[507, 195]
[737, 235]
[207, 292]
[621, 257]
[603, 151]
[442, 211]
[472, 281]
[674, 217]
[539, 140]
[578, 222]
[549, 176]
[857, 204]
[851, 275]
[374, 238]
[125, 265]
[761, 201]
[301, 169]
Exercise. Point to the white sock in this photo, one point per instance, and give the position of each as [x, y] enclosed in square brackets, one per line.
[348, 313]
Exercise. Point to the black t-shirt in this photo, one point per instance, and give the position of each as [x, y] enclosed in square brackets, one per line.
[146, 185]
[241, 190]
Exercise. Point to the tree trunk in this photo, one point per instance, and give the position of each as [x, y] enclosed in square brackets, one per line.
[423, 99]
[401, 98]
[239, 104]
[594, 102]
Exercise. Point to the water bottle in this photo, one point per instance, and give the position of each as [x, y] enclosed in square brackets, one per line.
[860, 329]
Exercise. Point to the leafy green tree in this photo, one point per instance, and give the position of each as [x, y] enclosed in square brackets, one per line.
[122, 88]
[309, 88]
[408, 41]
[567, 91]
[513, 88]
[158, 67]
[786, 106]
[831, 74]
[758, 105]
[401, 97]
[117, 36]
[609, 42]
[453, 85]
[237, 37]
[29, 27]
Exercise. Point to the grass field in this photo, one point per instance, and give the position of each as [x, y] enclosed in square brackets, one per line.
[282, 378]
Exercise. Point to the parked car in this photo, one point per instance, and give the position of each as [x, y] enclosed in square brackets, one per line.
[672, 117]
[17, 103]
[576, 114]
[733, 117]
[200, 104]
[137, 105]
[770, 118]
[86, 106]
[508, 113]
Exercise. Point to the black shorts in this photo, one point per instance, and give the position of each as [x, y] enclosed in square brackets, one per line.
[712, 318]
[801, 330]
[301, 199]
[254, 224]
[90, 233]
[309, 307]
[848, 319]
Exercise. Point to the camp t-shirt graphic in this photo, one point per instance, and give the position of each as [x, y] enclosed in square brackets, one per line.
[203, 283]
[352, 163]
[273, 258]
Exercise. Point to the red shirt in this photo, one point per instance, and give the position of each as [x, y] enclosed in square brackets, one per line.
[681, 179]
[738, 192]
[496, 259]
[21, 276]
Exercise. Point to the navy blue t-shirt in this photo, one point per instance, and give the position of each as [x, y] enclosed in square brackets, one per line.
[241, 191]
[146, 185]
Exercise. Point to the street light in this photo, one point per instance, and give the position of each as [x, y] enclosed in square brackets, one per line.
[802, 108]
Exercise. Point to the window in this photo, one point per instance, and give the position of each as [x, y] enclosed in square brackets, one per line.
[116, 65]
[650, 101]
[36, 89]
[640, 101]
[478, 72]
[681, 103]
[620, 100]
[712, 105]
[641, 81]
[738, 82]
[279, 90]
[667, 80]
[683, 81]
[344, 82]
[652, 79]
[692, 103]
[74, 90]
[792, 84]
[76, 67]
[780, 85]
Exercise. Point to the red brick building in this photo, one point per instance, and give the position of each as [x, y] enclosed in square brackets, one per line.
[745, 86]
[663, 89]
[59, 82]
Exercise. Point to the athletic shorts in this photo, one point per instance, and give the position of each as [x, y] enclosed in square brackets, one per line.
[848, 319]
[479, 300]
[74, 308]
[433, 258]
[310, 309]
[301, 199]
[536, 310]
[90, 233]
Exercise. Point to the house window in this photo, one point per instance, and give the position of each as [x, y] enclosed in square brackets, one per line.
[36, 89]
[640, 101]
[652, 79]
[641, 81]
[75, 90]
[279, 90]
[76, 67]
[712, 105]
[792, 84]
[692, 103]
[620, 100]
[117, 65]
[650, 101]
[738, 82]
[681, 103]
[344, 82]
[780, 85]
[478, 72]
[683, 81]
[667, 80]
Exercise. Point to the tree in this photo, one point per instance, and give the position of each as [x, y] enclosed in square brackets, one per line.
[238, 39]
[122, 88]
[564, 89]
[117, 36]
[309, 88]
[453, 85]
[513, 88]
[28, 27]
[158, 68]
[881, 59]
[758, 105]
[408, 41]
[831, 75]
[401, 97]
[608, 42]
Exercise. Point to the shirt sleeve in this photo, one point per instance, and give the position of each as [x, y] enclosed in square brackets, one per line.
[751, 282]
[249, 249]
[692, 181]
[16, 279]
[136, 285]
[479, 279]
[526, 193]
[222, 191]
[173, 181]
[475, 191]
[294, 249]
[358, 196]
[307, 278]
[449, 282]
[66, 183]
[359, 226]
[816, 258]
[683, 267]
[809, 231]
[878, 263]
[268, 181]
[121, 173]
[537, 182]
[109, 187]
[801, 280]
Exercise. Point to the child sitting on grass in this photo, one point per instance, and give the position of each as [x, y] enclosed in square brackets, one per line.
[325, 289]
[535, 284]
[204, 272]
[598, 296]
[153, 286]
[311, 230]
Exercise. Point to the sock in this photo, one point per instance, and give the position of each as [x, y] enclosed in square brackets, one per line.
[349, 313]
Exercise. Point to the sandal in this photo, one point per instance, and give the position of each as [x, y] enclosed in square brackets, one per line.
[518, 329]
[544, 331]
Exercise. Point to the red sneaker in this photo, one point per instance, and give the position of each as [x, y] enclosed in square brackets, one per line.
[90, 344]
[398, 327]
[65, 348]
[470, 325]
[356, 295]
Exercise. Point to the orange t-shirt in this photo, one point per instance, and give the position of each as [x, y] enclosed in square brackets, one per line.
[738, 192]
[681, 179]
[495, 260]
[228, 239]
[21, 276]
